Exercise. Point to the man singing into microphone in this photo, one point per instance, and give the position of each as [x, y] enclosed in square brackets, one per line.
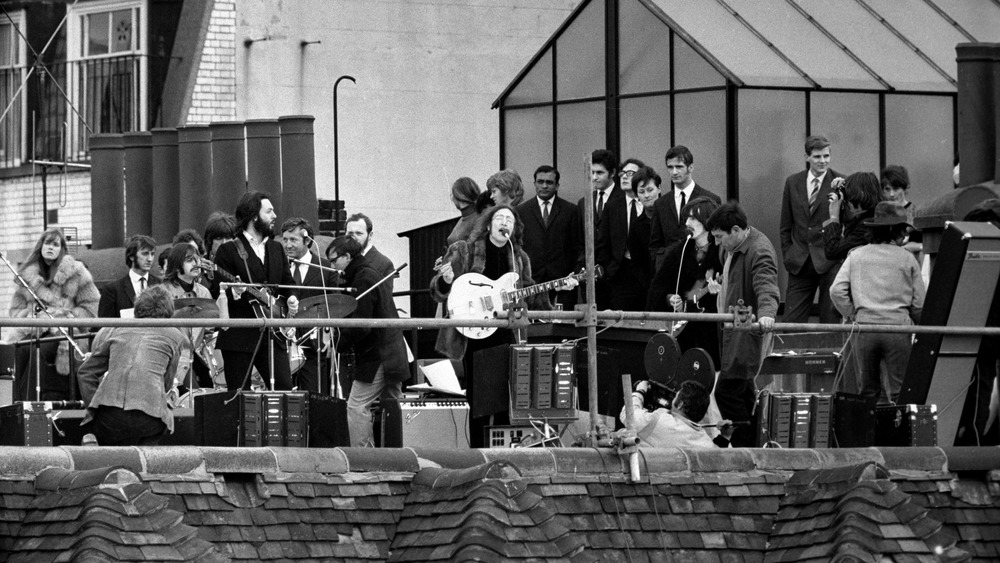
[493, 249]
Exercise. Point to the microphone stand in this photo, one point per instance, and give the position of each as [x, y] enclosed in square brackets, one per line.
[40, 306]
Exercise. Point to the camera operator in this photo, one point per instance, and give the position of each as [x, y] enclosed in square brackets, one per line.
[675, 427]
[853, 199]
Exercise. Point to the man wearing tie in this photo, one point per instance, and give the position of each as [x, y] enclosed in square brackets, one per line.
[603, 166]
[552, 234]
[297, 238]
[622, 243]
[803, 210]
[120, 295]
[667, 227]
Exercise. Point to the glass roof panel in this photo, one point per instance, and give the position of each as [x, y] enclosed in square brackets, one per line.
[981, 19]
[875, 45]
[643, 50]
[580, 55]
[791, 33]
[730, 42]
[925, 28]
[536, 85]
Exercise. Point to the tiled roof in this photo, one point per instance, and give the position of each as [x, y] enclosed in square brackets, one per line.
[287, 504]
[855, 512]
[103, 515]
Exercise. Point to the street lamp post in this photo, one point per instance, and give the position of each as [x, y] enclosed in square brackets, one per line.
[336, 150]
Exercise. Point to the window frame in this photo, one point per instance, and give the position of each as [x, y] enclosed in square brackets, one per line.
[19, 67]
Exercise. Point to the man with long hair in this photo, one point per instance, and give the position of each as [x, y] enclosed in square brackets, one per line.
[259, 262]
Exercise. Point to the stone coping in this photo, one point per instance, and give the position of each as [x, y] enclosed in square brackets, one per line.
[24, 461]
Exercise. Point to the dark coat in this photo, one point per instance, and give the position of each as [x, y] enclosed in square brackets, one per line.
[616, 193]
[316, 277]
[273, 270]
[614, 237]
[382, 265]
[374, 346]
[119, 295]
[839, 239]
[753, 278]
[801, 229]
[666, 229]
[467, 257]
[556, 249]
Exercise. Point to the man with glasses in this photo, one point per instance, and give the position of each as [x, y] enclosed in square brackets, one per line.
[667, 227]
[622, 243]
[552, 234]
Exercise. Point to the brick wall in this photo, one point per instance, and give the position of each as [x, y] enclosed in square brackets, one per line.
[214, 97]
[24, 215]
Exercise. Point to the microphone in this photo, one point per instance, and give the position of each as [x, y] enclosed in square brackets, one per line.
[505, 232]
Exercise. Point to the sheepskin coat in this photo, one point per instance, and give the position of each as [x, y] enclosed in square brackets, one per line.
[70, 293]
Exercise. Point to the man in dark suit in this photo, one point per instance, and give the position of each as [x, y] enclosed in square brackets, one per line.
[359, 228]
[622, 247]
[305, 263]
[120, 295]
[261, 263]
[381, 364]
[804, 208]
[552, 232]
[603, 167]
[667, 227]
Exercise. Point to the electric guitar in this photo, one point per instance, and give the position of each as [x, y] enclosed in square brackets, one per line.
[475, 296]
[699, 290]
[266, 306]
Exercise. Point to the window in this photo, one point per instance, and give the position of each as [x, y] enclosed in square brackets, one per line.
[107, 69]
[12, 96]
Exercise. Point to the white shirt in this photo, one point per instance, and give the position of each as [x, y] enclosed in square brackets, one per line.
[550, 201]
[607, 193]
[257, 247]
[135, 281]
[303, 268]
[687, 191]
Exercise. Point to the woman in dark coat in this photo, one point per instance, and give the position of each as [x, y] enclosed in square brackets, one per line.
[850, 206]
[682, 284]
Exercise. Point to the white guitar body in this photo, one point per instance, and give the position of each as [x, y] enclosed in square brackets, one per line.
[475, 296]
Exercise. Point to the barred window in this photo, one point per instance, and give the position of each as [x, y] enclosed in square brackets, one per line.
[12, 96]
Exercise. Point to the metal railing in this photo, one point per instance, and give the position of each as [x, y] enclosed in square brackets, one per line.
[105, 96]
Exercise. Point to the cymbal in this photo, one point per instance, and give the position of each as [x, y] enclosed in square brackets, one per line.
[195, 308]
[316, 307]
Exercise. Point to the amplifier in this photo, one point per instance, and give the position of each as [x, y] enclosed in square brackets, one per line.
[906, 425]
[425, 423]
[542, 382]
[853, 421]
[271, 418]
[26, 424]
[794, 420]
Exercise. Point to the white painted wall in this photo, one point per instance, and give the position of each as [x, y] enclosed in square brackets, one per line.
[419, 115]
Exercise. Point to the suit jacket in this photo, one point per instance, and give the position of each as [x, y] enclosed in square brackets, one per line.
[666, 228]
[273, 270]
[374, 346]
[119, 295]
[316, 277]
[801, 229]
[616, 193]
[614, 237]
[555, 249]
[382, 265]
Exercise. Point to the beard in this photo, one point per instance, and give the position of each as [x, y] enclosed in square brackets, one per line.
[263, 227]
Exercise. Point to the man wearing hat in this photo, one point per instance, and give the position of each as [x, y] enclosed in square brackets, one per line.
[880, 283]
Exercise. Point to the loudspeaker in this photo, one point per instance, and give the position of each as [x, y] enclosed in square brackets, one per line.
[222, 418]
[425, 423]
[853, 421]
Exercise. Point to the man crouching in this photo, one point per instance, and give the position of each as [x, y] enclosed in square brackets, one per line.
[127, 405]
[680, 425]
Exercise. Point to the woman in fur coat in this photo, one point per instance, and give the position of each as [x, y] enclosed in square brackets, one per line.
[66, 288]
[492, 249]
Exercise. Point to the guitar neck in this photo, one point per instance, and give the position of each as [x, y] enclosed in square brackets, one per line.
[533, 290]
[256, 292]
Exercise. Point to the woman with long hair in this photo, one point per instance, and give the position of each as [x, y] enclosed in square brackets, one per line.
[66, 289]
[464, 193]
[854, 200]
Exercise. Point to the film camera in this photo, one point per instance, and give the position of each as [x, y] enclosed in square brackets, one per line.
[667, 369]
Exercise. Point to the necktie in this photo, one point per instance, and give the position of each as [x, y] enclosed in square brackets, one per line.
[632, 215]
[142, 284]
[683, 203]
[812, 193]
[545, 213]
[600, 203]
[297, 274]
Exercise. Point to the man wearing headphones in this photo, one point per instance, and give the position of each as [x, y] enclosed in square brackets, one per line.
[303, 259]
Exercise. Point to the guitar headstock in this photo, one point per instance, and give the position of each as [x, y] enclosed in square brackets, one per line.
[598, 272]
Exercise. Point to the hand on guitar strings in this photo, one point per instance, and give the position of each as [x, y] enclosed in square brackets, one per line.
[447, 273]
